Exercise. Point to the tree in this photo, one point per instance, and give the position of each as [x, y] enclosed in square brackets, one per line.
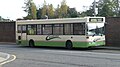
[72, 13]
[63, 9]
[39, 13]
[115, 5]
[89, 12]
[50, 11]
[44, 10]
[57, 12]
[108, 8]
[33, 11]
[105, 8]
[30, 8]
[105, 11]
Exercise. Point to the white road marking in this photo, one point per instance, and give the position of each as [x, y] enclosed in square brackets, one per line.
[7, 60]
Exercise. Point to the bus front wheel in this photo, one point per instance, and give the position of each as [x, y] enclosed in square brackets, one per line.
[69, 44]
[31, 43]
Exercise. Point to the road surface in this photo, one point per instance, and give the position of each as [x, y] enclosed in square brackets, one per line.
[61, 57]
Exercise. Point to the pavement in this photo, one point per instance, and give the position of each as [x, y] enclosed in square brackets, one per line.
[110, 47]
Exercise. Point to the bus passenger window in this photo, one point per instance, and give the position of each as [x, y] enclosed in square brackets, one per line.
[19, 28]
[58, 29]
[39, 29]
[31, 29]
[68, 29]
[47, 29]
[79, 29]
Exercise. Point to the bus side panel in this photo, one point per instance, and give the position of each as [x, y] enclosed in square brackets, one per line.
[91, 42]
[96, 40]
[81, 44]
[22, 39]
[98, 43]
[88, 44]
[56, 40]
[50, 43]
[60, 41]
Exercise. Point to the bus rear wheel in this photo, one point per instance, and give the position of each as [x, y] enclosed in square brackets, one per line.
[69, 44]
[31, 43]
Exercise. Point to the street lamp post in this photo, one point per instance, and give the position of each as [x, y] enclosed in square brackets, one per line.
[94, 7]
[118, 7]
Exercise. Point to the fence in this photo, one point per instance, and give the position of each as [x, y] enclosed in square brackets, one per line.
[113, 31]
[7, 32]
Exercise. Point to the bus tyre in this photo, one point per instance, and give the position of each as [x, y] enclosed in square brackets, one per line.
[31, 43]
[69, 44]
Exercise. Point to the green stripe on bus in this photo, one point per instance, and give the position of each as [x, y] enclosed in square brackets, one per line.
[23, 42]
[49, 43]
[62, 44]
[88, 44]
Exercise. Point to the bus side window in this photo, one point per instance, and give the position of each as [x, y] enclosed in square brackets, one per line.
[39, 29]
[24, 28]
[79, 29]
[68, 29]
[31, 30]
[19, 28]
[47, 29]
[58, 29]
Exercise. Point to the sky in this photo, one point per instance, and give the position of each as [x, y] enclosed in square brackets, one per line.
[12, 9]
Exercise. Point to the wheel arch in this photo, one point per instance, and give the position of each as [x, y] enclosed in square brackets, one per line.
[31, 41]
[68, 41]
[69, 44]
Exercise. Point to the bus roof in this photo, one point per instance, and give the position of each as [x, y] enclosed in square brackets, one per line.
[55, 21]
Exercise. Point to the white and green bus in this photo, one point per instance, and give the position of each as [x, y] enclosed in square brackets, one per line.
[65, 32]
